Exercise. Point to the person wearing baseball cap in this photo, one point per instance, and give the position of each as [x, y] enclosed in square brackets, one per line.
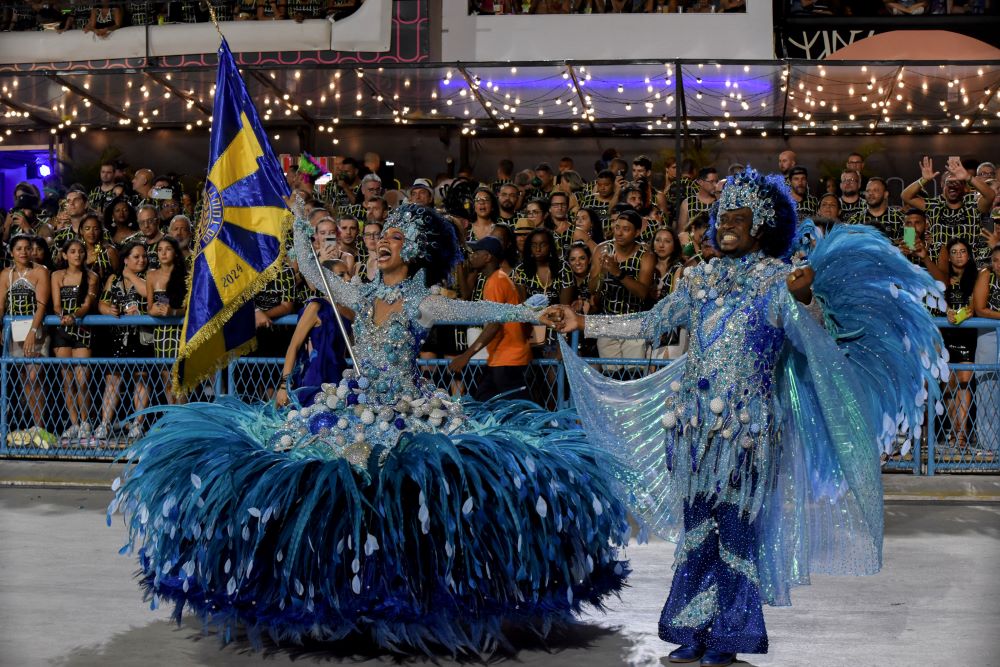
[422, 192]
[508, 352]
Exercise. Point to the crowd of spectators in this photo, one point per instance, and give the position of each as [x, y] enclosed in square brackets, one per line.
[890, 7]
[604, 6]
[613, 243]
[102, 17]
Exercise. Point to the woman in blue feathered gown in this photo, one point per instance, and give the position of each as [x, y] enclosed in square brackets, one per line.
[759, 452]
[384, 509]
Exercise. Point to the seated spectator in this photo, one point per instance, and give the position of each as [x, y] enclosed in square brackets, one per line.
[508, 352]
[74, 294]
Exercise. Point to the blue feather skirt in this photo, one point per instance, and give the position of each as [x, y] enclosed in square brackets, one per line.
[436, 545]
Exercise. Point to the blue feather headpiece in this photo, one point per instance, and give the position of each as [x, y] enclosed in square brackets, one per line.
[771, 203]
[431, 241]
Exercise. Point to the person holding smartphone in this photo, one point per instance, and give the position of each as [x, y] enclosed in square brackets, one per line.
[915, 242]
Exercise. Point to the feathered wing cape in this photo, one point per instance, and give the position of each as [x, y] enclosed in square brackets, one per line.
[846, 394]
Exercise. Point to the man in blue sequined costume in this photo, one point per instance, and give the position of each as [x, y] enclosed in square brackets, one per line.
[755, 447]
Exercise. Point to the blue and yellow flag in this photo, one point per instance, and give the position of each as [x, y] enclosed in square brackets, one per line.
[239, 238]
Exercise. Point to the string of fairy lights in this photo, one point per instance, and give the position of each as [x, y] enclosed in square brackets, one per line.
[723, 99]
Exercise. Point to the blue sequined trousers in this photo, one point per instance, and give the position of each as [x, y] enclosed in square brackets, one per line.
[714, 599]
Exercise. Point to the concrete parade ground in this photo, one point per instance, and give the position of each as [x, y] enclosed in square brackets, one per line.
[68, 599]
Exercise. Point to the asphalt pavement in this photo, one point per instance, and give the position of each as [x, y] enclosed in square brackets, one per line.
[68, 599]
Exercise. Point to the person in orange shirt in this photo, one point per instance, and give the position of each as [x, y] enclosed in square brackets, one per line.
[506, 344]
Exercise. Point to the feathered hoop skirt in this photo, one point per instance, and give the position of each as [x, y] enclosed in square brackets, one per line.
[432, 545]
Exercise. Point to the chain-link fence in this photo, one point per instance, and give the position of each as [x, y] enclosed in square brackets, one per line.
[85, 407]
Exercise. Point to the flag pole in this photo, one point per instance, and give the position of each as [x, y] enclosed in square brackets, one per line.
[336, 313]
[211, 15]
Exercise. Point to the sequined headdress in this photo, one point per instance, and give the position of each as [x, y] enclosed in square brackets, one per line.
[431, 241]
[770, 201]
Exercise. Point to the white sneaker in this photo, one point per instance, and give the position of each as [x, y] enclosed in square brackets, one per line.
[135, 431]
[103, 431]
[72, 433]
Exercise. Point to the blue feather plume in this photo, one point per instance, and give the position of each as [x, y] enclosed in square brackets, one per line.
[876, 305]
[434, 549]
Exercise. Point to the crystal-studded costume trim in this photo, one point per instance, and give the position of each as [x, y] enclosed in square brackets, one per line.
[700, 611]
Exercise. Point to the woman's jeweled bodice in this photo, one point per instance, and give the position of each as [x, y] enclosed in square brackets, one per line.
[390, 396]
[387, 352]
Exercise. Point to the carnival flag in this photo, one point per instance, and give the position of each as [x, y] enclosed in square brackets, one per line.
[239, 240]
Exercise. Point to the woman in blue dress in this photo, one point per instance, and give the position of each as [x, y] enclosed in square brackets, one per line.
[384, 509]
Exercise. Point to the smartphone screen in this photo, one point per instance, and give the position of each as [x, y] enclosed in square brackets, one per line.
[910, 237]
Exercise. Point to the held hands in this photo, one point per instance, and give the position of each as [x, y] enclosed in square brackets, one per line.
[800, 282]
[561, 318]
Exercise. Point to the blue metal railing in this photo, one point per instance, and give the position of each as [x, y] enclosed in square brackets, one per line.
[936, 451]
